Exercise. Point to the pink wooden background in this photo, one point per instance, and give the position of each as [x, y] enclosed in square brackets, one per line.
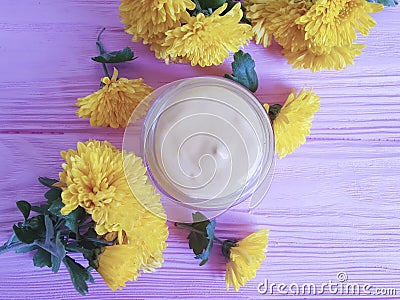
[333, 205]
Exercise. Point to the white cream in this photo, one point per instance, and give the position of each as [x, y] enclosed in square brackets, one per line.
[208, 142]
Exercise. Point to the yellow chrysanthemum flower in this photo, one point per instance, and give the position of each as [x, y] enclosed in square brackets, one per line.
[314, 34]
[115, 102]
[146, 18]
[86, 176]
[148, 234]
[207, 40]
[160, 51]
[293, 121]
[337, 58]
[260, 12]
[277, 18]
[120, 263]
[245, 258]
[94, 178]
[330, 23]
[117, 265]
[143, 240]
[141, 250]
[128, 213]
[145, 232]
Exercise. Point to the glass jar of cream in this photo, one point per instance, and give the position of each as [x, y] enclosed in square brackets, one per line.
[207, 144]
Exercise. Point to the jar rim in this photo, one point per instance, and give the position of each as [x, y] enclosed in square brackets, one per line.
[163, 97]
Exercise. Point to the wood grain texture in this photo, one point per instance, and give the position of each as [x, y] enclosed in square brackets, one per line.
[333, 205]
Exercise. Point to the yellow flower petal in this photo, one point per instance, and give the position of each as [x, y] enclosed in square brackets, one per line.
[246, 258]
[336, 58]
[331, 23]
[293, 122]
[147, 18]
[277, 18]
[114, 103]
[314, 34]
[207, 40]
[93, 177]
[117, 265]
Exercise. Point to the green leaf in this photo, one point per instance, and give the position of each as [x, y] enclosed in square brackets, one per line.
[385, 2]
[56, 206]
[72, 219]
[125, 54]
[197, 242]
[42, 258]
[55, 263]
[210, 236]
[25, 208]
[89, 252]
[30, 230]
[12, 239]
[49, 231]
[36, 224]
[26, 236]
[201, 237]
[79, 275]
[90, 246]
[53, 245]
[211, 3]
[90, 236]
[243, 71]
[198, 217]
[96, 246]
[12, 243]
[76, 247]
[60, 252]
[48, 182]
[105, 57]
[42, 209]
[52, 195]
[26, 248]
[97, 242]
[90, 233]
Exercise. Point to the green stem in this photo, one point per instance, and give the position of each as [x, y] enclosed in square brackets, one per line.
[59, 223]
[6, 248]
[100, 33]
[218, 240]
[44, 247]
[66, 233]
[190, 227]
[100, 46]
[105, 70]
